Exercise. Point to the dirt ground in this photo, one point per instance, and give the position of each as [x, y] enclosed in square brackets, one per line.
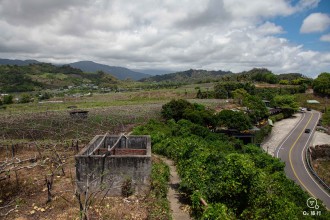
[24, 195]
[320, 138]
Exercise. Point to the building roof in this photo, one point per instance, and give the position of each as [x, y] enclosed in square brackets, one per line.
[313, 102]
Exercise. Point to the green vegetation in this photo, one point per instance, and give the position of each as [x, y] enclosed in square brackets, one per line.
[326, 118]
[321, 84]
[225, 89]
[263, 75]
[233, 120]
[182, 109]
[7, 99]
[188, 76]
[287, 103]
[158, 204]
[237, 181]
[256, 108]
[35, 77]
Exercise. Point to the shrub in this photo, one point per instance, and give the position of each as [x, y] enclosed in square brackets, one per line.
[175, 109]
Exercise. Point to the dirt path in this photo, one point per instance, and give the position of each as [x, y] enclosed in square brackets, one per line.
[173, 195]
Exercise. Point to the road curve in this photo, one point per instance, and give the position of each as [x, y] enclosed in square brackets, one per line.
[292, 152]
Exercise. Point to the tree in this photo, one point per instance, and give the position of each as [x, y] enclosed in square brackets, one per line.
[284, 82]
[321, 84]
[256, 108]
[175, 109]
[234, 120]
[287, 103]
[240, 94]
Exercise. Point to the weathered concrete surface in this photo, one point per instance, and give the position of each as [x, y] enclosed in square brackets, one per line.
[102, 169]
[320, 138]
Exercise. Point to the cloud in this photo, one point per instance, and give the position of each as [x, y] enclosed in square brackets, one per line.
[325, 38]
[315, 22]
[215, 34]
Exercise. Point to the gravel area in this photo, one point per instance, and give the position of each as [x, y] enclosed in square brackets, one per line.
[320, 138]
[280, 130]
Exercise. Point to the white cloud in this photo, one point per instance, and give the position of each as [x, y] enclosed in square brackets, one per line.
[214, 34]
[325, 38]
[315, 22]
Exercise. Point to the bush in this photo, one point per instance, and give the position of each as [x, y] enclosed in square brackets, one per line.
[8, 99]
[175, 109]
[277, 117]
[234, 120]
[25, 98]
[237, 183]
[158, 204]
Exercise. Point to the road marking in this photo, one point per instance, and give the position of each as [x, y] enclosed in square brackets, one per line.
[280, 147]
[303, 158]
[290, 152]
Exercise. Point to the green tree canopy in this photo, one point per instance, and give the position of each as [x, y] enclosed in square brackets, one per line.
[234, 120]
[287, 103]
[321, 84]
[256, 107]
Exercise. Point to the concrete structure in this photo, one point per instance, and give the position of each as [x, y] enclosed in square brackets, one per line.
[110, 160]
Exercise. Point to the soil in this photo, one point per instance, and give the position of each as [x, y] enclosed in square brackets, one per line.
[27, 198]
[180, 210]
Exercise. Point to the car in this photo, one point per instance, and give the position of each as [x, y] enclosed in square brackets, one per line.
[309, 109]
[307, 130]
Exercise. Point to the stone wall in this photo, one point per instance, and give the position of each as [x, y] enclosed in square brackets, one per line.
[130, 159]
[320, 152]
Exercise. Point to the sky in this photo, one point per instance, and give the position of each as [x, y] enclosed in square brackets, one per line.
[236, 35]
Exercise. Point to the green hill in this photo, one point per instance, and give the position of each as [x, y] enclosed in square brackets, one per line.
[188, 76]
[38, 76]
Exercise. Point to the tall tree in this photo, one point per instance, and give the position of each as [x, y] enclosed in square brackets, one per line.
[321, 84]
[287, 103]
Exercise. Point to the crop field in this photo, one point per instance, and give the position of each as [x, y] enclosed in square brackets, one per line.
[38, 142]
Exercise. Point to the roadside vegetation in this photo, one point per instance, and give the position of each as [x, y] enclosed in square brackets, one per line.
[235, 180]
[186, 115]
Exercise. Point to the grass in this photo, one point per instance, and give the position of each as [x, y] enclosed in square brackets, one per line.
[159, 207]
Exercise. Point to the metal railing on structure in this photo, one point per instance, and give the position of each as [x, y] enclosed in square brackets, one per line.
[311, 169]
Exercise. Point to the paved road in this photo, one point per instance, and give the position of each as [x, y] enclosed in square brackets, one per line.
[292, 152]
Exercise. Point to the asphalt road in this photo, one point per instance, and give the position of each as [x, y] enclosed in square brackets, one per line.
[292, 152]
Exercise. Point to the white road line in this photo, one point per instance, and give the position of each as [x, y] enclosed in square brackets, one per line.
[303, 160]
[280, 146]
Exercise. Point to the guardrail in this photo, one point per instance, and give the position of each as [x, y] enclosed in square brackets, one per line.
[311, 169]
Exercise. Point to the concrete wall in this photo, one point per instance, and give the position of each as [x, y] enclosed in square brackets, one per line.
[109, 172]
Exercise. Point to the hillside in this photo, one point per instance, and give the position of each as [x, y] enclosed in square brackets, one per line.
[88, 66]
[17, 62]
[188, 76]
[38, 76]
[119, 72]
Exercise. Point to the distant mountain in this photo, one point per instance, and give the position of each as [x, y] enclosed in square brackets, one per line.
[154, 72]
[118, 72]
[34, 77]
[17, 62]
[188, 76]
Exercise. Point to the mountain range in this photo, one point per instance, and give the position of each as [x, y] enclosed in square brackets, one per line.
[17, 62]
[118, 72]
[88, 66]
[187, 76]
